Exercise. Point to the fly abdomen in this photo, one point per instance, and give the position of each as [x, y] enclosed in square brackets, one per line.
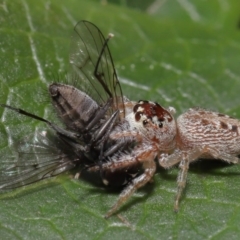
[74, 107]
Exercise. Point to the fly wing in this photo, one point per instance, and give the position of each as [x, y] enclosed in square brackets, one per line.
[92, 66]
[38, 157]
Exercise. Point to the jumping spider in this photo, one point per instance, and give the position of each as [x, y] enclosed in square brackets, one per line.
[122, 136]
[197, 133]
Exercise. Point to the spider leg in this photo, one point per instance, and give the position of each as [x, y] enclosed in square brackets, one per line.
[119, 160]
[221, 155]
[144, 154]
[140, 181]
[181, 182]
[124, 160]
[186, 157]
[127, 134]
[168, 161]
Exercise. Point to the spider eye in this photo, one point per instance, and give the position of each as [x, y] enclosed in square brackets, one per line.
[160, 125]
[145, 122]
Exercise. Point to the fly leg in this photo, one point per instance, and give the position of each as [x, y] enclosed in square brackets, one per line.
[60, 131]
[99, 139]
[103, 133]
[98, 116]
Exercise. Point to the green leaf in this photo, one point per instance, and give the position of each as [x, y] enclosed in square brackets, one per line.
[168, 55]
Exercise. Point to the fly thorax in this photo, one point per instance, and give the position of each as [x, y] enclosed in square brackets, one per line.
[155, 122]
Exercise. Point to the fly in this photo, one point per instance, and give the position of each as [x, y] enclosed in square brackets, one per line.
[89, 110]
